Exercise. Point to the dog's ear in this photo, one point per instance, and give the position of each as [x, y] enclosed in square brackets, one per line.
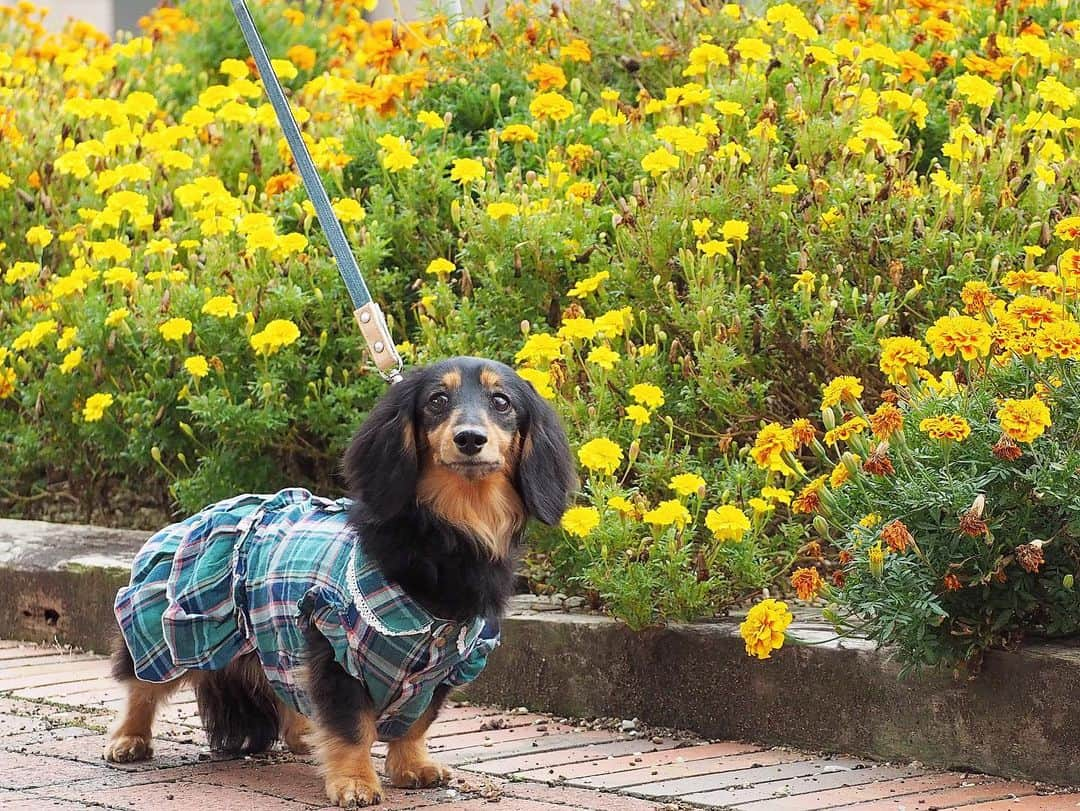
[545, 474]
[382, 463]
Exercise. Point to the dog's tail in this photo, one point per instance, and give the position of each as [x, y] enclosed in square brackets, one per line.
[238, 707]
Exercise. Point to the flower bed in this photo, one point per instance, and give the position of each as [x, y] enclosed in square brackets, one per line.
[679, 224]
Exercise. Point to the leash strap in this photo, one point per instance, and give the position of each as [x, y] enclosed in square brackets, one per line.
[367, 313]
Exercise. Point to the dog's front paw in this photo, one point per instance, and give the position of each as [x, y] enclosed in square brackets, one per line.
[353, 792]
[128, 749]
[418, 774]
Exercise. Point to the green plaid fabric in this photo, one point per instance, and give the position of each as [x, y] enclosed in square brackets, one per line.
[251, 573]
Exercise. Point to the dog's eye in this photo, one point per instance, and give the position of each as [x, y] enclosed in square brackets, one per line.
[500, 403]
[438, 400]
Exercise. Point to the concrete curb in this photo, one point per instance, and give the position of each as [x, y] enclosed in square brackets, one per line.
[1019, 718]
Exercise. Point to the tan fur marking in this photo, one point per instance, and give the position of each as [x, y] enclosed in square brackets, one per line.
[489, 378]
[295, 729]
[350, 774]
[130, 739]
[489, 509]
[408, 764]
[452, 379]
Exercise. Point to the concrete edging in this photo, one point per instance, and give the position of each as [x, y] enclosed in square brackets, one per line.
[1019, 718]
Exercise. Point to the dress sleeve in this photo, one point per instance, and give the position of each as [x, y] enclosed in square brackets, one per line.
[474, 662]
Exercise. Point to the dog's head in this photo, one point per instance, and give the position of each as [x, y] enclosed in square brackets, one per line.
[469, 439]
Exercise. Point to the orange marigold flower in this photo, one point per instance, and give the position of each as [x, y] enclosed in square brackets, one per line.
[1030, 556]
[845, 557]
[972, 525]
[1016, 280]
[807, 583]
[838, 578]
[899, 354]
[809, 498]
[947, 427]
[886, 421]
[977, 298]
[845, 431]
[1007, 449]
[897, 536]
[803, 432]
[879, 463]
[952, 334]
[278, 184]
[770, 444]
[952, 583]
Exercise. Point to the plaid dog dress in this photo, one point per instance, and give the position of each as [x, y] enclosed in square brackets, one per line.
[249, 574]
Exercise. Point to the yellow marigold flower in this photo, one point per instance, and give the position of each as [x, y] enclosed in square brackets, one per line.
[844, 389]
[622, 505]
[547, 77]
[951, 334]
[780, 494]
[175, 329]
[785, 189]
[760, 506]
[764, 626]
[234, 68]
[977, 297]
[846, 430]
[735, 230]
[807, 583]
[613, 323]
[466, 170]
[197, 366]
[947, 427]
[1068, 228]
[577, 329]
[870, 520]
[702, 227]
[349, 210]
[116, 316]
[95, 406]
[639, 415]
[220, 307]
[516, 133]
[1060, 339]
[276, 335]
[440, 267]
[1023, 420]
[581, 192]
[714, 247]
[125, 277]
[32, 337]
[590, 285]
[431, 120]
[576, 50]
[945, 185]
[898, 354]
[65, 342]
[601, 454]
[803, 431]
[72, 360]
[8, 379]
[686, 484]
[647, 395]
[771, 443]
[39, 236]
[20, 271]
[668, 513]
[541, 381]
[659, 162]
[498, 211]
[580, 521]
[841, 474]
[976, 90]
[752, 49]
[551, 105]
[876, 560]
[540, 348]
[604, 356]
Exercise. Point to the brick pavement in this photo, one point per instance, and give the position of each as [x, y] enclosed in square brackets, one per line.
[55, 708]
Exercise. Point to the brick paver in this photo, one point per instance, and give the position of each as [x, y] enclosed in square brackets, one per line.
[55, 707]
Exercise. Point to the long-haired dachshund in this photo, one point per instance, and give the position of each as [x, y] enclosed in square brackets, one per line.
[332, 624]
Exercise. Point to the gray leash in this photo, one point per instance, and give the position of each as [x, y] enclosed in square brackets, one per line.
[368, 314]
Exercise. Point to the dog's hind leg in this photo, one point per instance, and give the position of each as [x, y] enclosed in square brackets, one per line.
[408, 764]
[130, 740]
[295, 729]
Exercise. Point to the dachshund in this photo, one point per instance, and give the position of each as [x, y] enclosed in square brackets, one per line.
[333, 624]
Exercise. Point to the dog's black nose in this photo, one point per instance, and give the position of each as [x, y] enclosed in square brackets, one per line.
[470, 441]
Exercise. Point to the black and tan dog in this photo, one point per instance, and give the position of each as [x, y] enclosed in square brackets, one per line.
[284, 611]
